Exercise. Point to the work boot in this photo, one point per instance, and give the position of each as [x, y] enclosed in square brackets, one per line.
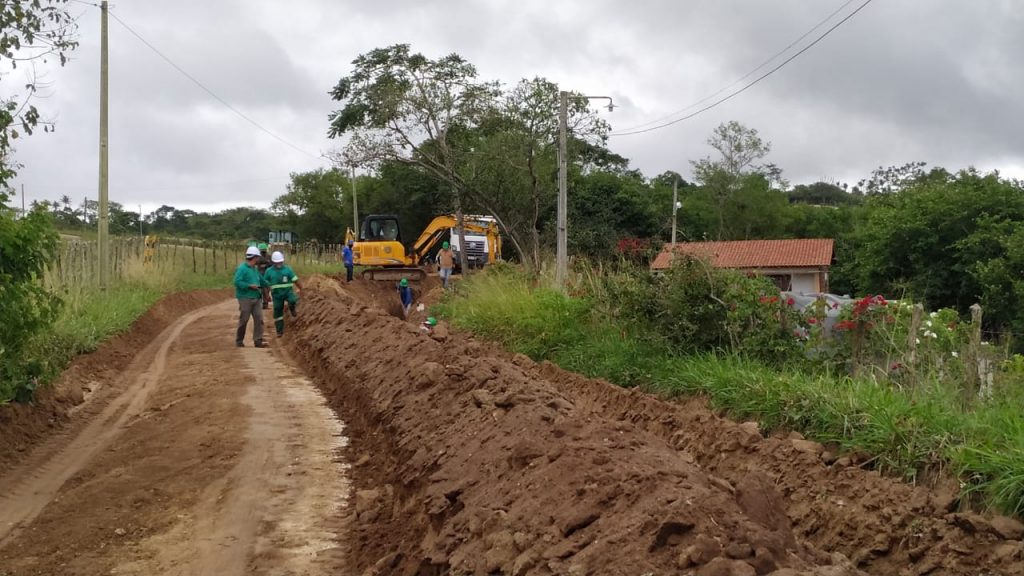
[292, 310]
[240, 344]
[261, 344]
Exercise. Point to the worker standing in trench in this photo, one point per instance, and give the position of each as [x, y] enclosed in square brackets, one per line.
[280, 279]
[405, 295]
[346, 257]
[446, 262]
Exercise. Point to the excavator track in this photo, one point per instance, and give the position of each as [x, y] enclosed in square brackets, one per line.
[394, 274]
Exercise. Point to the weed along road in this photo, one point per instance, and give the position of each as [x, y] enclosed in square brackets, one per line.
[199, 458]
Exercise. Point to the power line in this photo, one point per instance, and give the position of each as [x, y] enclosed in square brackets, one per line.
[745, 76]
[750, 84]
[208, 91]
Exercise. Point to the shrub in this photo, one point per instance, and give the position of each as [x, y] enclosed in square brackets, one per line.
[27, 309]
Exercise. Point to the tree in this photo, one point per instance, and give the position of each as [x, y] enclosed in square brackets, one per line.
[515, 156]
[404, 107]
[822, 194]
[735, 183]
[27, 245]
[738, 146]
[313, 205]
[30, 31]
[937, 239]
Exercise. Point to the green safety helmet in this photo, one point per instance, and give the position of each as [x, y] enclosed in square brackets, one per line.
[404, 282]
[432, 321]
[262, 246]
[445, 245]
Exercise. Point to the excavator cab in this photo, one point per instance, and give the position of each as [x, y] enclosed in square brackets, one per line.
[379, 247]
[380, 228]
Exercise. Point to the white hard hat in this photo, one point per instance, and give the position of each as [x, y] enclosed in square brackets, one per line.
[252, 251]
[277, 257]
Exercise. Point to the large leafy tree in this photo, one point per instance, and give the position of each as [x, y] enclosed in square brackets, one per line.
[941, 238]
[738, 189]
[514, 156]
[401, 106]
[31, 31]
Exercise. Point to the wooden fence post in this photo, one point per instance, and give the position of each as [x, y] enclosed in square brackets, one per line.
[971, 375]
[915, 326]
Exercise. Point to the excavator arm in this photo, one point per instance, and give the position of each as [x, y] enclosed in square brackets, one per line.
[434, 231]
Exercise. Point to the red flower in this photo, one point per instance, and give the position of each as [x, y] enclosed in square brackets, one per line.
[764, 299]
[790, 302]
[846, 325]
[812, 320]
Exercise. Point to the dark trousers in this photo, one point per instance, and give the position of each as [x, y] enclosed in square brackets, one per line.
[348, 272]
[250, 307]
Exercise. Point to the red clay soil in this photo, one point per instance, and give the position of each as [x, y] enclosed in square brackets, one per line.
[469, 460]
[24, 425]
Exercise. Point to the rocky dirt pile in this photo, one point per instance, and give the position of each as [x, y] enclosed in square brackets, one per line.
[468, 460]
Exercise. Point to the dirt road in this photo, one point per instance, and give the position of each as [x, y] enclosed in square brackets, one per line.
[199, 458]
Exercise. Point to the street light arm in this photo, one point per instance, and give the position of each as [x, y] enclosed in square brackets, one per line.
[611, 103]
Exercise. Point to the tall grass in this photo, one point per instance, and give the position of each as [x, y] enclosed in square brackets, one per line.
[906, 432]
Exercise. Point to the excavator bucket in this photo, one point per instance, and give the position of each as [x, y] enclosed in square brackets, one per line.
[394, 274]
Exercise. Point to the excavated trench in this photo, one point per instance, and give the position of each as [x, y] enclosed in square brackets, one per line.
[470, 460]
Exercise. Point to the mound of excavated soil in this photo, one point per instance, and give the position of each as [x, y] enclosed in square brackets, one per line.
[22, 425]
[468, 460]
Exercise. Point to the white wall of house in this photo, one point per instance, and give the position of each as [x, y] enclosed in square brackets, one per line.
[805, 282]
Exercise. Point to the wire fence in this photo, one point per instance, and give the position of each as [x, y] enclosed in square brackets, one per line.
[77, 264]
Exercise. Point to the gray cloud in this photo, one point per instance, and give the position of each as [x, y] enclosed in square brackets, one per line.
[903, 80]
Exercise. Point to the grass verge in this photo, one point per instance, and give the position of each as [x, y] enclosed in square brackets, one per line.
[907, 433]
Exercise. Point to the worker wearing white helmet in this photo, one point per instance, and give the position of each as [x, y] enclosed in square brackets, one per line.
[249, 292]
[282, 281]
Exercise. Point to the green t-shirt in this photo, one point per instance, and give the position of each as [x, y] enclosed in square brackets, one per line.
[246, 276]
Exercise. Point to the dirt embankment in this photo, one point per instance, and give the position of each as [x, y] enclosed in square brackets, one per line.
[22, 426]
[471, 460]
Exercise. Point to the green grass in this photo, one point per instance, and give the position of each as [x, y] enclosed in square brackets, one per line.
[907, 433]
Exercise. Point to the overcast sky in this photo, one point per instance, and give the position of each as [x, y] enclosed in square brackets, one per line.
[937, 81]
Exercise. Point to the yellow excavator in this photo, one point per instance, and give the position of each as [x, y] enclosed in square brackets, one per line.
[379, 246]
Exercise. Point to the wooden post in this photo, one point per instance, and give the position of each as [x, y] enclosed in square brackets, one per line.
[858, 345]
[194, 270]
[973, 360]
[915, 326]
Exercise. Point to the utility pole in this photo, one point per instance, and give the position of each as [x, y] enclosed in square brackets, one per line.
[22, 200]
[460, 223]
[675, 208]
[562, 244]
[104, 232]
[355, 203]
[141, 235]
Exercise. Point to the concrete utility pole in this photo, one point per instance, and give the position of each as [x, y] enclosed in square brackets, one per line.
[355, 203]
[562, 246]
[675, 208]
[104, 231]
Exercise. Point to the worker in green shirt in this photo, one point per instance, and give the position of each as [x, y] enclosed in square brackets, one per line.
[249, 291]
[281, 279]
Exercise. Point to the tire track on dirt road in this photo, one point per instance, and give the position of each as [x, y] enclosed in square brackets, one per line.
[25, 492]
[229, 467]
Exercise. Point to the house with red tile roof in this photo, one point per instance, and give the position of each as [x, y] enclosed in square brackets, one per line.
[794, 265]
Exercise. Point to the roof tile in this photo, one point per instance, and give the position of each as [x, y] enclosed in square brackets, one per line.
[747, 254]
